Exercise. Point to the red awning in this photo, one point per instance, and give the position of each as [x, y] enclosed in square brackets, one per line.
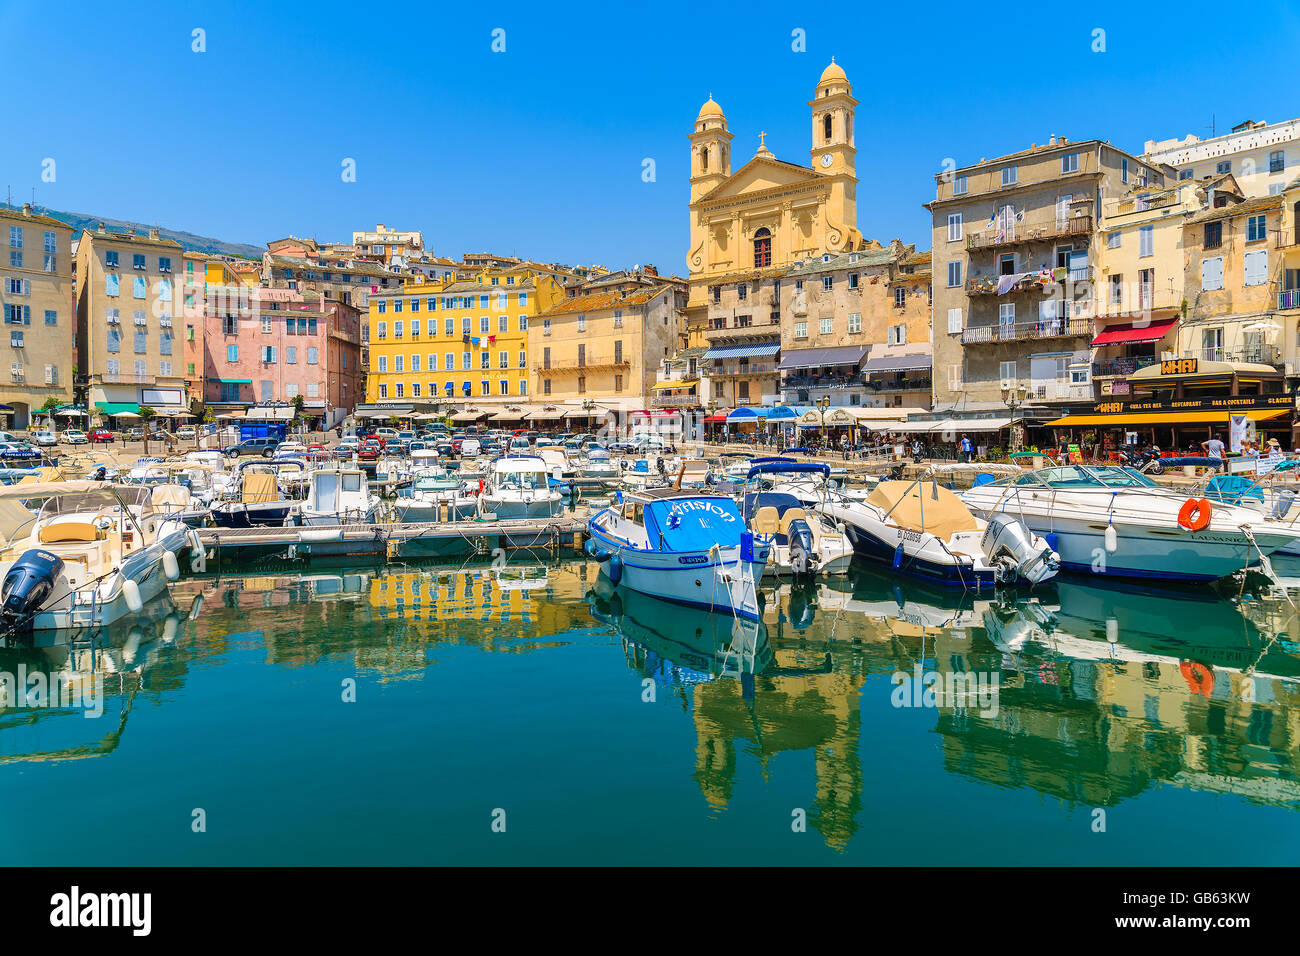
[714, 419]
[655, 413]
[1152, 331]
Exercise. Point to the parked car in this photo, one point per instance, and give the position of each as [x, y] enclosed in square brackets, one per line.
[101, 435]
[385, 433]
[470, 448]
[253, 446]
[370, 450]
[187, 432]
[135, 434]
[75, 436]
[46, 439]
[9, 436]
[16, 451]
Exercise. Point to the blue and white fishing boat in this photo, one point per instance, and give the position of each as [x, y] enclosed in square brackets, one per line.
[683, 546]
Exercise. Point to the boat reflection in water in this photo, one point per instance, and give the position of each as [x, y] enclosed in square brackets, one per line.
[52, 682]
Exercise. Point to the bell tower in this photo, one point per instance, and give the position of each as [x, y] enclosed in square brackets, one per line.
[833, 153]
[710, 150]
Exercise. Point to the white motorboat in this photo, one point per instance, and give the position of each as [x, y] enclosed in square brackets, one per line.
[338, 495]
[923, 530]
[1110, 520]
[257, 500]
[683, 546]
[598, 465]
[804, 541]
[94, 553]
[519, 487]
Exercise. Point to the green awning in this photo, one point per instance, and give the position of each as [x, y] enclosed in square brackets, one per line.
[235, 381]
[117, 408]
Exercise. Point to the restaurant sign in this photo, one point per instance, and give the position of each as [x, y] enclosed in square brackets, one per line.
[1184, 366]
[1226, 402]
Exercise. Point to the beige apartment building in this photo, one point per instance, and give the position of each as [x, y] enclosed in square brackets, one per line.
[1263, 157]
[36, 291]
[126, 334]
[302, 265]
[855, 330]
[1017, 244]
[605, 348]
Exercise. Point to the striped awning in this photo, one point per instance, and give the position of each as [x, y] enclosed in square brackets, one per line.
[760, 350]
[660, 386]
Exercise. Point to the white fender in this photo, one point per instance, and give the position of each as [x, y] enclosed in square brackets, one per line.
[131, 592]
[171, 566]
[170, 628]
[196, 607]
[198, 558]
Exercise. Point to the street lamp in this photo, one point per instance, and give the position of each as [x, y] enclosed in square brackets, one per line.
[1014, 398]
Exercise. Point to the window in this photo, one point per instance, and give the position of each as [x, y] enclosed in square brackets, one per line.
[801, 330]
[415, 305]
[1007, 373]
[164, 264]
[1213, 235]
[466, 326]
[1212, 274]
[762, 248]
[1070, 163]
[383, 391]
[742, 291]
[137, 261]
[824, 327]
[1256, 267]
[828, 283]
[1146, 241]
[1146, 287]
[503, 387]
[397, 305]
[141, 342]
[582, 323]
[465, 360]
[397, 328]
[582, 384]
[1113, 240]
[1123, 169]
[268, 354]
[313, 356]
[111, 284]
[897, 335]
[164, 367]
[523, 323]
[954, 321]
[381, 330]
[954, 273]
[449, 327]
[383, 363]
[1276, 163]
[383, 306]
[165, 343]
[266, 324]
[900, 296]
[855, 323]
[398, 363]
[853, 282]
[51, 317]
[1116, 290]
[1256, 229]
[485, 387]
[954, 227]
[959, 186]
[450, 362]
[16, 237]
[291, 355]
[1010, 175]
[1224, 167]
[15, 340]
[1184, 174]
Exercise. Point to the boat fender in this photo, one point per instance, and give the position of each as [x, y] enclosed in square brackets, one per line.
[898, 556]
[171, 626]
[615, 569]
[1200, 679]
[171, 567]
[198, 558]
[1195, 514]
[1112, 539]
[131, 593]
[196, 607]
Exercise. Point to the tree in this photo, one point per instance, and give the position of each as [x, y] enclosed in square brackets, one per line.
[147, 414]
[299, 403]
[47, 410]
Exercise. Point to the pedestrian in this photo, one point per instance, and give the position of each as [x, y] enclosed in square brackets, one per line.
[1213, 448]
[966, 449]
[916, 448]
[1274, 450]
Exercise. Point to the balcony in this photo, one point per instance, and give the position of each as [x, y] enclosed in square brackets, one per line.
[1024, 331]
[1256, 354]
[899, 385]
[752, 370]
[1121, 366]
[1021, 233]
[588, 363]
[1033, 282]
[689, 400]
[1289, 299]
[766, 328]
[121, 378]
[1058, 390]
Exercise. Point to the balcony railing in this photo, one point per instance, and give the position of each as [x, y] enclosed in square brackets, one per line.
[1289, 300]
[1020, 233]
[1020, 331]
[122, 378]
[752, 370]
[1256, 354]
[674, 401]
[759, 328]
[822, 381]
[1122, 366]
[1033, 282]
[1058, 391]
[590, 361]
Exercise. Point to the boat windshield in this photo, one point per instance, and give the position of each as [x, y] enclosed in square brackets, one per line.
[521, 480]
[1086, 476]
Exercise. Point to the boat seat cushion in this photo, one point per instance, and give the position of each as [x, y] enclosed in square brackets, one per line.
[791, 514]
[765, 521]
[62, 532]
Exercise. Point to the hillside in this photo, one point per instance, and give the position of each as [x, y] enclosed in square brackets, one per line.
[189, 240]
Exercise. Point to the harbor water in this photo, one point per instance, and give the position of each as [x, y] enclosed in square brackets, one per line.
[533, 714]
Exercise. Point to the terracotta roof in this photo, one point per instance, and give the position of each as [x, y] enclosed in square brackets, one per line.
[129, 237]
[8, 212]
[600, 301]
[1258, 204]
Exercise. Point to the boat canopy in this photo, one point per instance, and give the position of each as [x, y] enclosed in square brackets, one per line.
[694, 523]
[923, 506]
[1084, 476]
[788, 466]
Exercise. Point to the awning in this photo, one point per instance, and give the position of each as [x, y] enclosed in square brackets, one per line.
[660, 386]
[1129, 332]
[118, 408]
[900, 363]
[514, 413]
[470, 416]
[234, 381]
[957, 425]
[748, 414]
[1119, 420]
[782, 413]
[743, 351]
[816, 358]
[546, 415]
[714, 419]
[598, 412]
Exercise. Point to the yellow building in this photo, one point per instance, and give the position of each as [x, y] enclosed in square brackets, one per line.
[36, 292]
[461, 340]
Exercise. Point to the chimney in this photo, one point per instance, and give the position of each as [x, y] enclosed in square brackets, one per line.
[1052, 141]
[27, 209]
[153, 232]
[651, 270]
[100, 228]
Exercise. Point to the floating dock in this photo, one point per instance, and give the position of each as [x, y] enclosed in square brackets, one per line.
[390, 541]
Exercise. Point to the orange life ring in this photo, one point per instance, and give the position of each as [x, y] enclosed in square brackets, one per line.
[1199, 677]
[1194, 515]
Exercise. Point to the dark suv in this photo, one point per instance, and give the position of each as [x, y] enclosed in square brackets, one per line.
[253, 446]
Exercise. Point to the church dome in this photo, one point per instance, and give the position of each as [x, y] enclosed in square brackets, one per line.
[833, 74]
[710, 109]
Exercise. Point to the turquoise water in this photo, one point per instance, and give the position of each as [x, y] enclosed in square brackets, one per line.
[612, 728]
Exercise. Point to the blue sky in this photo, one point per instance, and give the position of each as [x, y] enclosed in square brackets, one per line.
[538, 151]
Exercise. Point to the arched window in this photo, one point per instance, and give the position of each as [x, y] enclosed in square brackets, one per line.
[704, 160]
[762, 248]
[826, 126]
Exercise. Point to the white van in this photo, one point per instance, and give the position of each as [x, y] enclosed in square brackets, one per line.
[469, 448]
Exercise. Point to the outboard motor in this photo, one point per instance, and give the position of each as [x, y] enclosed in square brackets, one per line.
[27, 586]
[1016, 552]
[802, 558]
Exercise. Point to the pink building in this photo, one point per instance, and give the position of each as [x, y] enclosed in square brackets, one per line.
[266, 345]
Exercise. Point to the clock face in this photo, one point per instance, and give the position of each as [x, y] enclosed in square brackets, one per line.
[827, 159]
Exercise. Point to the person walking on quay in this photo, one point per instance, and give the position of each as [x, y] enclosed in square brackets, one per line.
[967, 451]
[917, 450]
[1214, 449]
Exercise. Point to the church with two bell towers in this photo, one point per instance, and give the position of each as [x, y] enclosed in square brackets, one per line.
[770, 213]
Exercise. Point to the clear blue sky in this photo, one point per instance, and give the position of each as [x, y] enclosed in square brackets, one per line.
[538, 151]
